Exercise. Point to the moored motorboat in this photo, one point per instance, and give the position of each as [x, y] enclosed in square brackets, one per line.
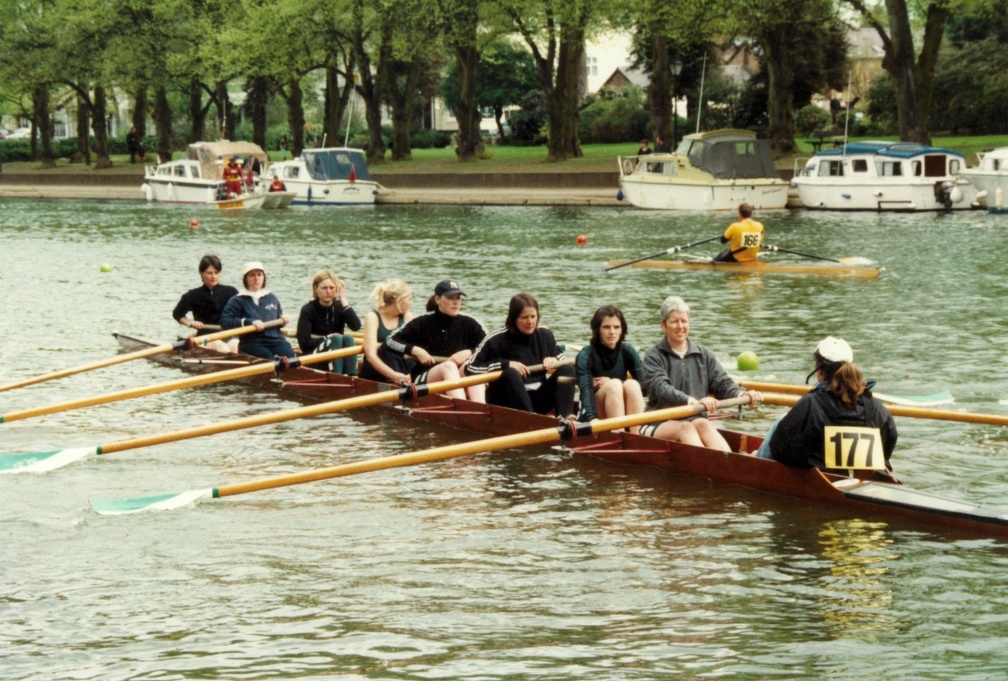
[990, 178]
[715, 170]
[330, 176]
[864, 492]
[757, 267]
[884, 176]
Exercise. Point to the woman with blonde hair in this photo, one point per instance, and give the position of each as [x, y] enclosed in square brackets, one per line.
[841, 398]
[324, 319]
[391, 301]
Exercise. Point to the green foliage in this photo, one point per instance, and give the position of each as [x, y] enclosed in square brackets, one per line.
[810, 118]
[971, 81]
[528, 124]
[620, 118]
[882, 102]
[430, 139]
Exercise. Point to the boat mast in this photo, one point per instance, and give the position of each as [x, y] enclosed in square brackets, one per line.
[353, 93]
[846, 125]
[703, 73]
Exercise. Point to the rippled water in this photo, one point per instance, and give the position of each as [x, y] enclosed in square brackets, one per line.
[512, 565]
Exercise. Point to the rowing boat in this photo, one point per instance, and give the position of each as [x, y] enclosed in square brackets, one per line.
[758, 267]
[866, 492]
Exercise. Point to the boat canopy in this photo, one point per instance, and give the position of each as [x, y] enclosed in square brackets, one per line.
[213, 155]
[729, 155]
[893, 149]
[335, 164]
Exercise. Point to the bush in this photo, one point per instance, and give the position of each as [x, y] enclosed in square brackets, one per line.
[810, 118]
[616, 119]
[430, 139]
[529, 124]
[882, 102]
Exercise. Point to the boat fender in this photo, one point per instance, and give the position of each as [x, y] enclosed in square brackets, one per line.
[148, 192]
[619, 194]
[956, 195]
[998, 195]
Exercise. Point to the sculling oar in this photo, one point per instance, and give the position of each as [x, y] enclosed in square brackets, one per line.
[41, 462]
[929, 400]
[278, 365]
[185, 344]
[566, 432]
[842, 261]
[909, 412]
[667, 251]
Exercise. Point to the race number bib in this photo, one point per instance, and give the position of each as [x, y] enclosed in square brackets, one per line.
[854, 447]
[750, 239]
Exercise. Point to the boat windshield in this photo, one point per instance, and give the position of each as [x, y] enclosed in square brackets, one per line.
[732, 158]
[335, 164]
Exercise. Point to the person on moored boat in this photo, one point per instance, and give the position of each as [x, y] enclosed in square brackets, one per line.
[442, 341]
[744, 238]
[255, 305]
[206, 303]
[523, 343]
[841, 397]
[677, 372]
[602, 369]
[392, 300]
[232, 178]
[325, 317]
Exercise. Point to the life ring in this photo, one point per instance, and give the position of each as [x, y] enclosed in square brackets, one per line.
[628, 166]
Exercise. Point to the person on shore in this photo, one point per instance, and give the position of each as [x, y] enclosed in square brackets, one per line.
[644, 148]
[677, 372]
[661, 146]
[841, 397]
[512, 350]
[133, 144]
[392, 300]
[206, 302]
[232, 178]
[602, 369]
[744, 238]
[323, 320]
[255, 305]
[441, 341]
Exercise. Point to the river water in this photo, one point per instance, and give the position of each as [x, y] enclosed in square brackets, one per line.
[510, 565]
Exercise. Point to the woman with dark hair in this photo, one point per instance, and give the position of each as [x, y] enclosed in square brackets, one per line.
[324, 318]
[206, 303]
[256, 305]
[842, 399]
[602, 370]
[512, 350]
[442, 341]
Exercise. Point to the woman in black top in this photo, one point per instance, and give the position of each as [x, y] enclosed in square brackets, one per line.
[324, 318]
[602, 369]
[206, 302]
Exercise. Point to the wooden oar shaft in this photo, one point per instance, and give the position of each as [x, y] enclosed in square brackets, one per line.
[804, 255]
[783, 388]
[205, 379]
[910, 412]
[542, 436]
[288, 415]
[126, 357]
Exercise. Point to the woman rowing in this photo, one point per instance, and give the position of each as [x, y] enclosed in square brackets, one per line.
[512, 350]
[602, 370]
[841, 398]
[677, 372]
[255, 305]
[325, 317]
[206, 303]
[444, 332]
[392, 300]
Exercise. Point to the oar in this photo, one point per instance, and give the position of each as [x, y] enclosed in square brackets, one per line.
[278, 365]
[565, 432]
[41, 462]
[842, 261]
[185, 344]
[667, 251]
[930, 400]
[909, 412]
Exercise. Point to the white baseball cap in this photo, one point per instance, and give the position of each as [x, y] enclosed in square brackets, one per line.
[835, 350]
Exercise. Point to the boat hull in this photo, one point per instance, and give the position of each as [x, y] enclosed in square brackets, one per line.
[873, 495]
[658, 193]
[992, 185]
[878, 195]
[758, 267]
[277, 200]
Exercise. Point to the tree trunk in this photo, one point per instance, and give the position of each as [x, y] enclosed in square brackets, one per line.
[83, 153]
[44, 127]
[659, 91]
[197, 114]
[139, 117]
[295, 115]
[163, 124]
[258, 98]
[369, 88]
[337, 95]
[467, 113]
[778, 52]
[562, 106]
[402, 86]
[99, 123]
[226, 121]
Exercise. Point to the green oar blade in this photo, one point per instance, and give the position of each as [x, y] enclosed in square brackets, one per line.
[43, 462]
[160, 502]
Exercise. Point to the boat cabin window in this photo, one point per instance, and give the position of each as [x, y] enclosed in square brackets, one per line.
[831, 169]
[915, 167]
[291, 172]
[953, 166]
[889, 168]
[164, 170]
[997, 164]
[180, 171]
[859, 165]
[934, 165]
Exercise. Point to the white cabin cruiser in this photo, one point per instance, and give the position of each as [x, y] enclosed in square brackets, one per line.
[991, 179]
[884, 176]
[329, 176]
[715, 170]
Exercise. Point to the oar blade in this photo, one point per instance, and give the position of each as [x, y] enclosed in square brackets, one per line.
[931, 400]
[858, 260]
[159, 502]
[42, 462]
